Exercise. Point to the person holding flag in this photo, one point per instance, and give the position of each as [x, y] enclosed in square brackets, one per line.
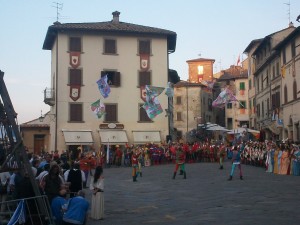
[180, 161]
[135, 163]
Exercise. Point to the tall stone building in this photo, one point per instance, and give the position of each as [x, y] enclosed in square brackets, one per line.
[131, 56]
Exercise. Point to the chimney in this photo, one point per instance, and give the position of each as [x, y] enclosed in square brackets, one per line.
[116, 15]
[291, 24]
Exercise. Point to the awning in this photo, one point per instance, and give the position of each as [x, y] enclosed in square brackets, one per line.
[113, 136]
[141, 137]
[82, 137]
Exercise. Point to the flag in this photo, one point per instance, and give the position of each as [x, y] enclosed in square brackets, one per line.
[19, 214]
[98, 108]
[283, 71]
[224, 97]
[238, 61]
[103, 86]
[153, 108]
[152, 92]
[169, 90]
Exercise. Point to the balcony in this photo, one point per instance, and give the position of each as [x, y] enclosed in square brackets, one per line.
[49, 96]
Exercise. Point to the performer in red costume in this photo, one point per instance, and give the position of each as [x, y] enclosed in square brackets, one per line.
[180, 161]
[135, 163]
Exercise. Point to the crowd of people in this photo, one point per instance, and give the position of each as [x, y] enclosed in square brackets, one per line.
[63, 177]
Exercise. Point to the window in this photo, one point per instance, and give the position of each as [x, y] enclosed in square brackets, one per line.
[295, 90]
[75, 44]
[143, 117]
[258, 110]
[111, 114]
[209, 105]
[144, 78]
[293, 48]
[113, 77]
[229, 123]
[277, 69]
[243, 105]
[262, 109]
[273, 71]
[268, 107]
[179, 116]
[178, 100]
[267, 78]
[285, 95]
[283, 56]
[200, 70]
[275, 101]
[250, 83]
[242, 86]
[262, 82]
[110, 46]
[144, 47]
[229, 105]
[250, 105]
[76, 114]
[75, 77]
[257, 84]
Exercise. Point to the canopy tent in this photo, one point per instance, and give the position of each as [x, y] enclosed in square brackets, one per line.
[242, 130]
[217, 128]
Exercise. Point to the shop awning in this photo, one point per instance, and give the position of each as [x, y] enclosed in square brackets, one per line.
[141, 137]
[82, 137]
[113, 136]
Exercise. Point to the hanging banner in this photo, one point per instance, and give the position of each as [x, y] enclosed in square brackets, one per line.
[75, 92]
[75, 59]
[145, 62]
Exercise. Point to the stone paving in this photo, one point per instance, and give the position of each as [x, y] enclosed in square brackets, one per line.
[205, 197]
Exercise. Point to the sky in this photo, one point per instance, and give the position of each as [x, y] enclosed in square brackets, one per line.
[214, 29]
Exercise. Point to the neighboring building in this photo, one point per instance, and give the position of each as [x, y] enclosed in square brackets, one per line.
[200, 69]
[236, 113]
[192, 106]
[132, 56]
[251, 84]
[289, 50]
[36, 135]
[268, 83]
[192, 102]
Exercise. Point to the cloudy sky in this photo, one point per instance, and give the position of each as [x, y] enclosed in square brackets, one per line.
[215, 29]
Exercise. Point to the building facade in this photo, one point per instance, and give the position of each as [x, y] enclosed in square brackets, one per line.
[268, 84]
[289, 51]
[131, 56]
[237, 112]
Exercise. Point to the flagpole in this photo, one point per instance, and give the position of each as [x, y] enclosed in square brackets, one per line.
[107, 152]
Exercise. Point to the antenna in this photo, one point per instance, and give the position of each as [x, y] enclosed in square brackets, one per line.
[289, 9]
[58, 7]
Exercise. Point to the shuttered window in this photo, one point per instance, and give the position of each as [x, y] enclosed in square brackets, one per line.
[75, 77]
[178, 100]
[76, 112]
[110, 46]
[143, 117]
[113, 78]
[144, 78]
[144, 47]
[111, 114]
[75, 44]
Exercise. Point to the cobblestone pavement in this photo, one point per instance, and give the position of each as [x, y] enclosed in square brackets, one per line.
[205, 197]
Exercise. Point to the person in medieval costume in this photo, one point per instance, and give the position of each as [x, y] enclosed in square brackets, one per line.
[135, 163]
[180, 161]
[236, 161]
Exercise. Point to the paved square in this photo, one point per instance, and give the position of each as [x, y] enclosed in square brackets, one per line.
[205, 197]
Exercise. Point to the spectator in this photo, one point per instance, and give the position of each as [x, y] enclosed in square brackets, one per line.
[97, 186]
[76, 177]
[76, 212]
[58, 205]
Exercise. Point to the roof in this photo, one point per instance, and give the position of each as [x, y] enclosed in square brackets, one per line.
[188, 84]
[267, 39]
[233, 73]
[109, 28]
[200, 60]
[252, 44]
[288, 38]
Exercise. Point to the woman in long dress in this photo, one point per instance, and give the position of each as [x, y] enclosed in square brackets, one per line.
[97, 186]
